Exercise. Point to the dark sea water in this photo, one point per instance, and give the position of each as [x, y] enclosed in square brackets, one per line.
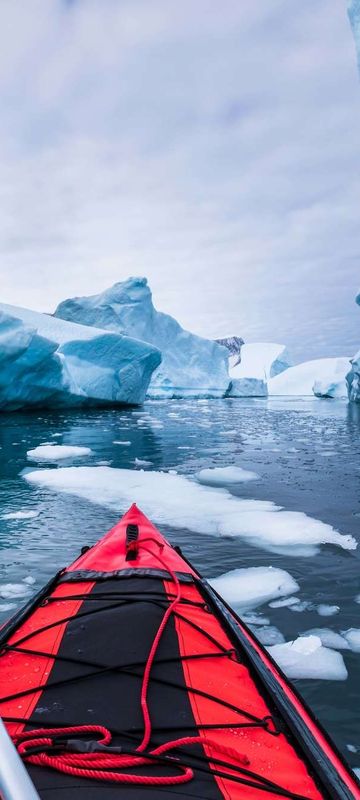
[307, 454]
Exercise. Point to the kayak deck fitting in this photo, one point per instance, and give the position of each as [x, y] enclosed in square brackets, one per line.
[129, 677]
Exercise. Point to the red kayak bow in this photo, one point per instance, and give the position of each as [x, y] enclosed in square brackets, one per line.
[129, 677]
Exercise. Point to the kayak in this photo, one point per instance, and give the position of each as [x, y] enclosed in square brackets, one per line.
[128, 676]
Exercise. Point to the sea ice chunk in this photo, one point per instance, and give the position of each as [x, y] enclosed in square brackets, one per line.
[329, 638]
[20, 515]
[352, 636]
[269, 635]
[178, 502]
[306, 657]
[191, 366]
[56, 452]
[224, 476]
[323, 376]
[251, 587]
[49, 362]
[284, 602]
[326, 610]
[12, 590]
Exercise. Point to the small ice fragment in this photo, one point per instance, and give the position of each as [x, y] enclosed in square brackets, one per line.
[224, 476]
[6, 607]
[285, 601]
[124, 444]
[20, 515]
[255, 619]
[10, 590]
[329, 638]
[29, 580]
[139, 462]
[351, 748]
[55, 435]
[303, 605]
[306, 657]
[269, 635]
[352, 636]
[357, 598]
[55, 452]
[356, 770]
[326, 610]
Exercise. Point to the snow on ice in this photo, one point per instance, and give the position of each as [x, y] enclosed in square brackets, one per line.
[177, 501]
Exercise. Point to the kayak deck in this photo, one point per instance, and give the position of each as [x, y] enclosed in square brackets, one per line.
[80, 658]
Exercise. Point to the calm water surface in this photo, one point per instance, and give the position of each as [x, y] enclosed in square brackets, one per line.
[307, 454]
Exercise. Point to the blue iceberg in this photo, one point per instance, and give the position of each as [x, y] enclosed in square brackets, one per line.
[190, 367]
[45, 361]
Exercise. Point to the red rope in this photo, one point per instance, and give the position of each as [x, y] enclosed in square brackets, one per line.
[102, 765]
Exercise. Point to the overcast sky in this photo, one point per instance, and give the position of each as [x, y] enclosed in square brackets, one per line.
[212, 146]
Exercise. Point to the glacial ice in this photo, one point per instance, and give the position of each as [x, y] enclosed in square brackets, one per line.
[191, 366]
[251, 587]
[45, 361]
[353, 377]
[179, 502]
[259, 362]
[56, 452]
[324, 377]
[306, 657]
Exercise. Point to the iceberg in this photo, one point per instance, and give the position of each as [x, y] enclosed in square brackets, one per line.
[323, 377]
[190, 367]
[353, 377]
[259, 362]
[45, 361]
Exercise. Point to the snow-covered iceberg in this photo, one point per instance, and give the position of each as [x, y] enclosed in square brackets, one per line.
[354, 16]
[48, 362]
[259, 362]
[353, 377]
[191, 366]
[324, 377]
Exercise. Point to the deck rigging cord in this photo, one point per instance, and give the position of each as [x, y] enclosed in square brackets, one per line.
[50, 746]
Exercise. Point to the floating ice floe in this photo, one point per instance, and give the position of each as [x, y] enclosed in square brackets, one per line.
[251, 587]
[225, 476]
[178, 502]
[29, 580]
[326, 610]
[124, 444]
[284, 602]
[352, 637]
[254, 618]
[269, 635]
[56, 452]
[191, 366]
[324, 377]
[6, 607]
[306, 657]
[12, 590]
[20, 515]
[141, 462]
[328, 638]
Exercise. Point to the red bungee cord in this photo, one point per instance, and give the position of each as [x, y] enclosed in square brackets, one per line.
[99, 765]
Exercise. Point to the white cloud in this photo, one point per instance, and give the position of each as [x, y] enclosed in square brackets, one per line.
[213, 149]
